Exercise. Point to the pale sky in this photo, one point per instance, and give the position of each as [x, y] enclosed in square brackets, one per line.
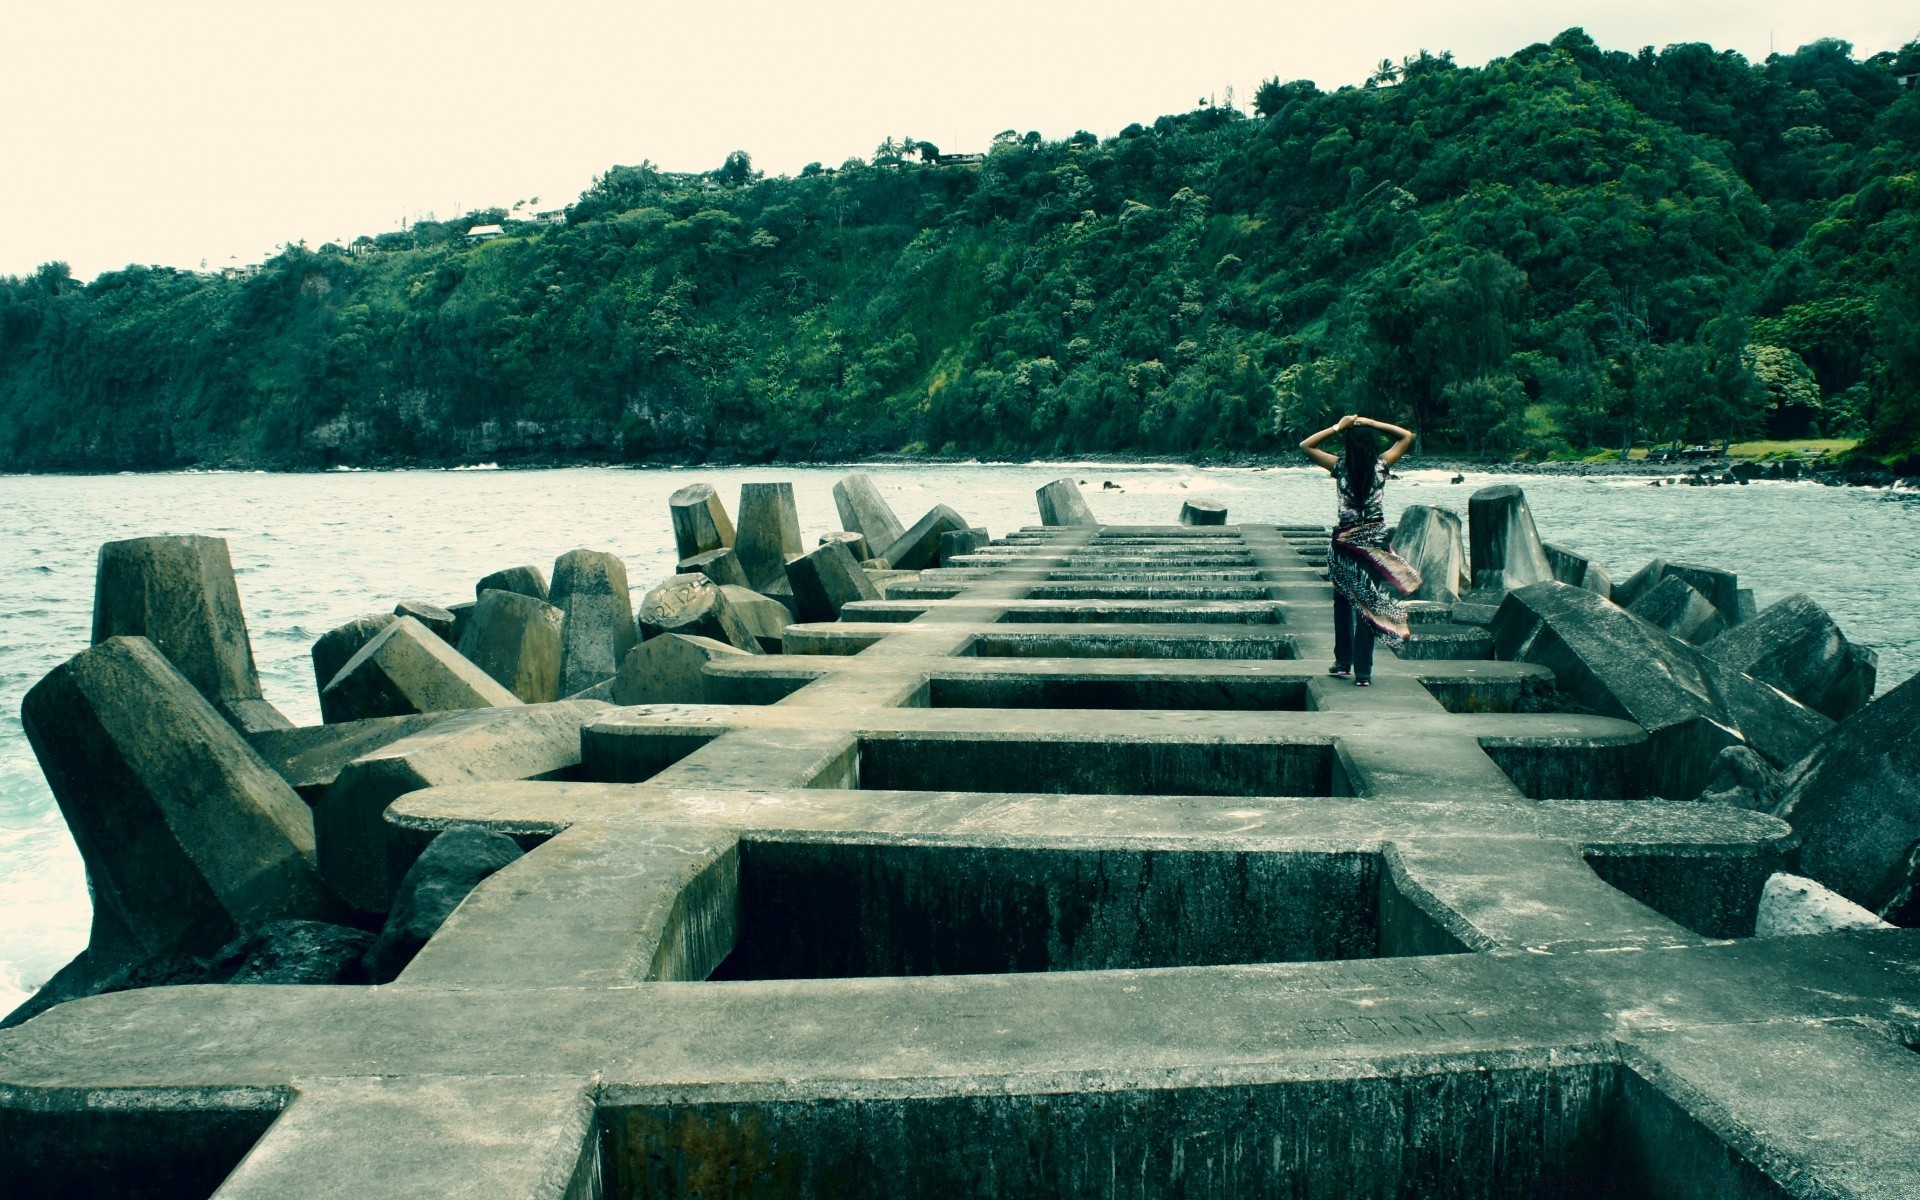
[179, 132]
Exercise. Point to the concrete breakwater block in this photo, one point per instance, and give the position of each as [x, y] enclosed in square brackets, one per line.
[769, 533]
[865, 512]
[669, 669]
[1795, 646]
[516, 640]
[1675, 607]
[311, 757]
[721, 566]
[434, 617]
[765, 618]
[1793, 905]
[452, 865]
[363, 857]
[337, 646]
[1570, 566]
[407, 669]
[827, 580]
[524, 581]
[1203, 510]
[1505, 547]
[692, 605]
[700, 520]
[1061, 503]
[962, 541]
[1855, 802]
[590, 587]
[179, 594]
[856, 544]
[1617, 665]
[1430, 539]
[919, 548]
[1721, 588]
[189, 837]
[1627, 590]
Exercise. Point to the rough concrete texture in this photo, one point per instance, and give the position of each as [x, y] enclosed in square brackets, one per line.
[722, 566]
[1429, 538]
[1675, 607]
[1611, 662]
[1795, 646]
[700, 520]
[763, 616]
[189, 837]
[692, 605]
[462, 617]
[590, 587]
[179, 594]
[1855, 803]
[516, 640]
[1741, 778]
[855, 543]
[959, 542]
[668, 669]
[452, 865]
[769, 533]
[407, 669]
[337, 646]
[1062, 504]
[525, 581]
[1505, 547]
[1626, 591]
[311, 757]
[439, 620]
[919, 547]
[1132, 900]
[359, 854]
[1721, 588]
[826, 581]
[1793, 906]
[1571, 566]
[864, 511]
[1203, 510]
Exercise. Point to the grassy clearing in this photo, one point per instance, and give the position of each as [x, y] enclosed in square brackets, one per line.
[1789, 449]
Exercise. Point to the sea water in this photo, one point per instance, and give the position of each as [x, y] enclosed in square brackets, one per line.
[312, 551]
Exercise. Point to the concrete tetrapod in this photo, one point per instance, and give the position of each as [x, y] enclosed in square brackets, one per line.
[1613, 663]
[1795, 646]
[1570, 566]
[1505, 547]
[1061, 504]
[721, 566]
[856, 543]
[434, 617]
[1640, 582]
[764, 617]
[700, 520]
[516, 640]
[919, 548]
[190, 839]
[691, 604]
[669, 669]
[337, 646]
[1429, 538]
[865, 512]
[363, 857]
[1674, 606]
[769, 533]
[957, 542]
[179, 593]
[406, 669]
[1203, 510]
[526, 581]
[827, 580]
[1855, 802]
[590, 587]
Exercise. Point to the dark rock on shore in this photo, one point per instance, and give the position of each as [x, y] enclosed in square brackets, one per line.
[451, 866]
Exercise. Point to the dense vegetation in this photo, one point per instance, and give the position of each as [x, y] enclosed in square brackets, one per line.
[1567, 250]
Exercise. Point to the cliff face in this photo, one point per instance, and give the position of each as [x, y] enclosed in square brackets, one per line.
[1564, 249]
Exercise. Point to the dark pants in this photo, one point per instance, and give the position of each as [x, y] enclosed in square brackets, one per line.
[1352, 638]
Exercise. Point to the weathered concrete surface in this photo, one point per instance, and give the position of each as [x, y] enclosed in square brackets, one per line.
[855, 543]
[1675, 607]
[827, 580]
[407, 669]
[1430, 539]
[190, 839]
[1505, 547]
[1571, 566]
[1721, 588]
[433, 616]
[864, 511]
[1203, 510]
[959, 542]
[526, 580]
[769, 533]
[311, 757]
[590, 587]
[1795, 646]
[1855, 802]
[1743, 779]
[358, 852]
[452, 865]
[722, 566]
[1061, 504]
[763, 616]
[700, 520]
[1614, 663]
[1794, 906]
[334, 648]
[517, 641]
[919, 547]
[692, 605]
[179, 594]
[1626, 591]
[669, 669]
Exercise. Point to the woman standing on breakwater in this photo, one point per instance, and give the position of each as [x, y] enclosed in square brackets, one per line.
[1368, 577]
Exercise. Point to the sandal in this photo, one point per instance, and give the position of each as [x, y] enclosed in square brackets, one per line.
[1337, 669]
[1363, 683]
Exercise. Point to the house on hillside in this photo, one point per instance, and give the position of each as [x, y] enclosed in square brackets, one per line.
[483, 233]
[959, 160]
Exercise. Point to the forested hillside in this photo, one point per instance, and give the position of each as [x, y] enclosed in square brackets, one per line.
[1565, 251]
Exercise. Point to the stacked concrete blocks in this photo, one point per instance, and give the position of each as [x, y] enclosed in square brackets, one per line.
[1062, 505]
[769, 535]
[590, 587]
[669, 669]
[337, 646]
[1795, 646]
[700, 522]
[865, 512]
[1506, 548]
[433, 616]
[721, 566]
[919, 547]
[692, 605]
[524, 581]
[517, 641]
[826, 581]
[404, 669]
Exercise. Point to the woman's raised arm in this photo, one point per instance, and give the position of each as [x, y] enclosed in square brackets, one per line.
[1403, 439]
[1312, 444]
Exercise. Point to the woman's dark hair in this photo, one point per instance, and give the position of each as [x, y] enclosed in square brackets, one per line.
[1363, 451]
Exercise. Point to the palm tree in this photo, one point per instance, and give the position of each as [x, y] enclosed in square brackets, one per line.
[1385, 74]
